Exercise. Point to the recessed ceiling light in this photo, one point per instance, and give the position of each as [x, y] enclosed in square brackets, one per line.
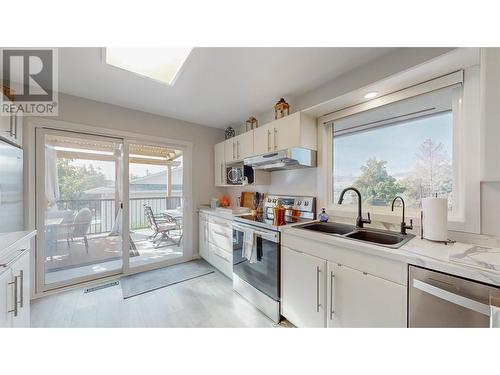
[371, 95]
[161, 64]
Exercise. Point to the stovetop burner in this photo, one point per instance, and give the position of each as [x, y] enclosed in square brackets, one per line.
[302, 208]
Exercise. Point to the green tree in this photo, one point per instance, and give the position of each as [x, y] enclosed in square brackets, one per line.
[376, 185]
[74, 180]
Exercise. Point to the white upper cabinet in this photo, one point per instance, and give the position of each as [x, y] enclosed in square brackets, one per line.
[303, 289]
[239, 147]
[11, 127]
[357, 299]
[220, 165]
[295, 130]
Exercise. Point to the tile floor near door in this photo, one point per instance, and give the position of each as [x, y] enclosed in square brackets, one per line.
[207, 301]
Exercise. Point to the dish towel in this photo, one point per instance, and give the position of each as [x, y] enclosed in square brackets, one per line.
[249, 249]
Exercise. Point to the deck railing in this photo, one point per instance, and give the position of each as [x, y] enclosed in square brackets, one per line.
[104, 210]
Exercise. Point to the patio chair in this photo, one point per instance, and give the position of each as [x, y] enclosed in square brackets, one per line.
[160, 226]
[81, 226]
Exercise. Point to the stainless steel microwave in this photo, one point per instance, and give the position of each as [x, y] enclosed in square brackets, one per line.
[239, 174]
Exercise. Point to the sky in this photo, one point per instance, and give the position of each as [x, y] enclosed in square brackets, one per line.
[397, 144]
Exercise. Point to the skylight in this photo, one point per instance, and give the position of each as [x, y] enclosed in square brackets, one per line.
[161, 64]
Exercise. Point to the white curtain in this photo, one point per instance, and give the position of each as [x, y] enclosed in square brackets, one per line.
[51, 177]
[117, 226]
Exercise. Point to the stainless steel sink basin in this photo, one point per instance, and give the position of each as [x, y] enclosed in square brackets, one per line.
[375, 236]
[331, 227]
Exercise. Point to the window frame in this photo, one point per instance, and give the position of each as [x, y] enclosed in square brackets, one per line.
[465, 215]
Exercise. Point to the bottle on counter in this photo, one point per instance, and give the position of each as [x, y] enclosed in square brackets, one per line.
[323, 216]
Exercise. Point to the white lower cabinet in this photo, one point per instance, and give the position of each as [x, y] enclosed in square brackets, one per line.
[316, 292]
[216, 242]
[6, 293]
[358, 299]
[15, 293]
[303, 288]
[203, 237]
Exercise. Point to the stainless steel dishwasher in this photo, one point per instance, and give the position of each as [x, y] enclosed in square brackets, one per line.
[440, 300]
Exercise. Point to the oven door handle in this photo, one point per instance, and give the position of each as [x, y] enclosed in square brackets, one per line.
[453, 298]
[271, 236]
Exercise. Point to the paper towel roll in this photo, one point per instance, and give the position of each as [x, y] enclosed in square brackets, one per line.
[435, 218]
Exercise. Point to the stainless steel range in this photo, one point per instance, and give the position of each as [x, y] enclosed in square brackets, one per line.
[258, 279]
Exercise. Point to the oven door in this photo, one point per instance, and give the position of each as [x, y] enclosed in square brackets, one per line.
[263, 274]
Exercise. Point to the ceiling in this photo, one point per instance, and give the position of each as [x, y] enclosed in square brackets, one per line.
[217, 86]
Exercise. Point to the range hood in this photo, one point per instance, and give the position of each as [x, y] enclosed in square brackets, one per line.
[291, 158]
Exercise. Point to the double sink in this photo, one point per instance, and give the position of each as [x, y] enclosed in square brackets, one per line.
[374, 236]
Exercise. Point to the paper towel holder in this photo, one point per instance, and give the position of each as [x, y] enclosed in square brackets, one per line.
[422, 231]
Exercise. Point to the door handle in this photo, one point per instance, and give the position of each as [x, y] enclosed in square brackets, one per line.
[268, 140]
[15, 126]
[275, 138]
[238, 149]
[221, 234]
[332, 311]
[318, 305]
[14, 309]
[221, 175]
[21, 289]
[11, 126]
[234, 156]
[453, 298]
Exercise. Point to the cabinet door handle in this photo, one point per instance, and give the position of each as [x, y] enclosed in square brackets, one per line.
[332, 311]
[318, 305]
[221, 234]
[21, 288]
[238, 149]
[14, 309]
[221, 174]
[268, 140]
[275, 138]
[15, 126]
[11, 126]
[234, 156]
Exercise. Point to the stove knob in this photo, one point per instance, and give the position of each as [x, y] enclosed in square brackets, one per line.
[306, 203]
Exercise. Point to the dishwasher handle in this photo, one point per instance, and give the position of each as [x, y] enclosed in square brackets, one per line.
[453, 298]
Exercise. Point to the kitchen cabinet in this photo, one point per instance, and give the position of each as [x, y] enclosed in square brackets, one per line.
[15, 292]
[6, 293]
[359, 299]
[20, 269]
[295, 130]
[303, 288]
[216, 242]
[11, 127]
[203, 236]
[239, 147]
[220, 165]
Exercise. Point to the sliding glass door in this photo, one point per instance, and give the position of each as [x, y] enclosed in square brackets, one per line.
[156, 209]
[106, 206]
[79, 207]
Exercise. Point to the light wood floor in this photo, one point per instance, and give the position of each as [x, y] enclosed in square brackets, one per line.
[207, 301]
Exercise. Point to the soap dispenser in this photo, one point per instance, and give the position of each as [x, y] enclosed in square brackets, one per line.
[323, 216]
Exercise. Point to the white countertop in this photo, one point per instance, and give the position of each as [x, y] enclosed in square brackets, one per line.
[9, 243]
[482, 263]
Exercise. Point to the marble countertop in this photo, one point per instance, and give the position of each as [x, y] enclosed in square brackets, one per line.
[471, 261]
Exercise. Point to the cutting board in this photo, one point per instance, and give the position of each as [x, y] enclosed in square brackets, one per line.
[246, 199]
